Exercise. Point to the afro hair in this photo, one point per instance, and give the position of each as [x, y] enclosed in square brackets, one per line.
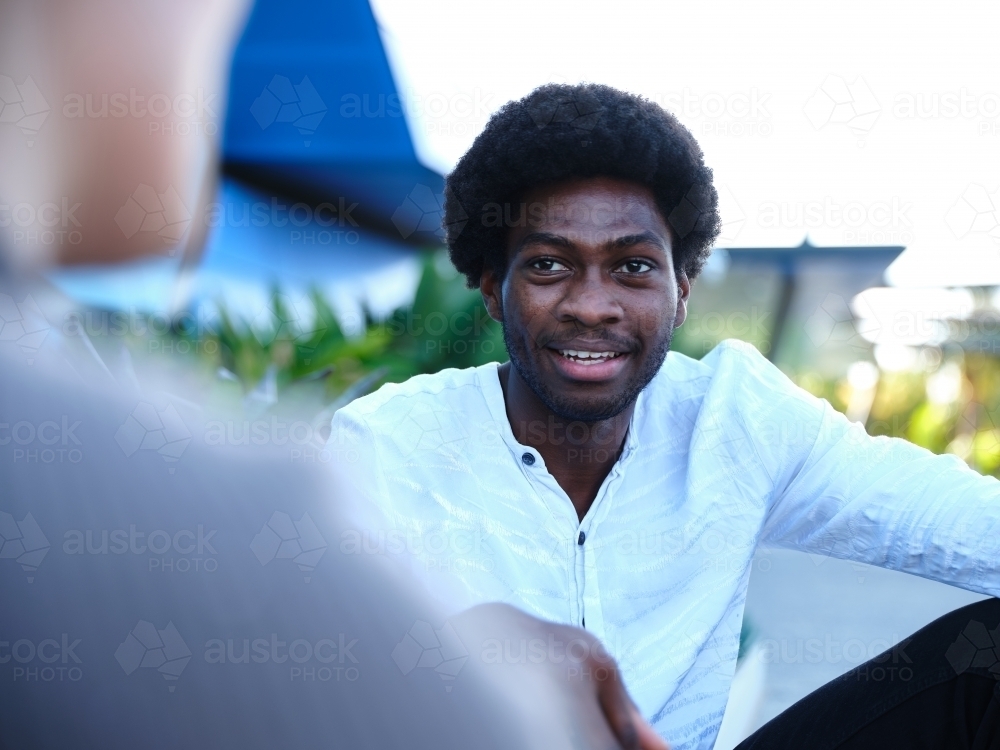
[560, 132]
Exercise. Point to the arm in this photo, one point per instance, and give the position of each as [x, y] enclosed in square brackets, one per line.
[886, 502]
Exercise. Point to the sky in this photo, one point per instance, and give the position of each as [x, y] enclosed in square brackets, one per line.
[851, 123]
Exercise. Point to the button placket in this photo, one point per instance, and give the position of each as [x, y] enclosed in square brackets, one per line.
[588, 587]
[546, 489]
[581, 572]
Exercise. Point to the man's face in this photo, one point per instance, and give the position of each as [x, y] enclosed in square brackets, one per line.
[590, 299]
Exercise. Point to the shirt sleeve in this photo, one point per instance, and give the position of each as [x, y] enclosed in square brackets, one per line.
[878, 500]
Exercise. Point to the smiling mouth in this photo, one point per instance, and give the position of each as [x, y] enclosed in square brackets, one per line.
[588, 358]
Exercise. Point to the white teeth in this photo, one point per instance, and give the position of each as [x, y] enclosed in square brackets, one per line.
[589, 358]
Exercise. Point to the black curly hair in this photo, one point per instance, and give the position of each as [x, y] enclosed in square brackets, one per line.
[560, 132]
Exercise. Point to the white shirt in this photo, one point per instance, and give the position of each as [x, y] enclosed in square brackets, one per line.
[722, 455]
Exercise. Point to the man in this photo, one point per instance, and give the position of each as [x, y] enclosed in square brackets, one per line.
[611, 485]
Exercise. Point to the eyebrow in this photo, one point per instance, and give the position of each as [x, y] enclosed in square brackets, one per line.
[543, 238]
[630, 240]
[618, 243]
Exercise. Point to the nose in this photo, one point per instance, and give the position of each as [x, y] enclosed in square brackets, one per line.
[592, 301]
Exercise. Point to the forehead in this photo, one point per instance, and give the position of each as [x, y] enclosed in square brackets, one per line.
[602, 204]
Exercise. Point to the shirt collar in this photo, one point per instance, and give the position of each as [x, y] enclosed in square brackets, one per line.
[489, 382]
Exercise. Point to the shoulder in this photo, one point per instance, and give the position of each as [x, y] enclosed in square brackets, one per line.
[737, 384]
[779, 416]
[741, 368]
[730, 360]
[753, 421]
[448, 391]
[732, 354]
[408, 429]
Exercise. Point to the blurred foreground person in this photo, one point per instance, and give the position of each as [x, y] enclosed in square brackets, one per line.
[625, 488]
[194, 597]
[159, 593]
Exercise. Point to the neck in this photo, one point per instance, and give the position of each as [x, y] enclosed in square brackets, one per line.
[579, 455]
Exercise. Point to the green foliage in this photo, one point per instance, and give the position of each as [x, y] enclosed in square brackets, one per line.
[967, 425]
[446, 326]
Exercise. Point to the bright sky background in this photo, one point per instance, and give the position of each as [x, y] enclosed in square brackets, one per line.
[831, 134]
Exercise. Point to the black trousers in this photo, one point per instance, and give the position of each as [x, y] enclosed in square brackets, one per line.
[939, 688]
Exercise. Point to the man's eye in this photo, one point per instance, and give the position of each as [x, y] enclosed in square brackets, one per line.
[548, 264]
[635, 266]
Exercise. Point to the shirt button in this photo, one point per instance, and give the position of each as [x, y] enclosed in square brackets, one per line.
[581, 539]
[527, 459]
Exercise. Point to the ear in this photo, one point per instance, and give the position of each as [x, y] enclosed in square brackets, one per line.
[492, 289]
[683, 294]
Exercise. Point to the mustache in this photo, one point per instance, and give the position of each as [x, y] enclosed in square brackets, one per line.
[556, 338]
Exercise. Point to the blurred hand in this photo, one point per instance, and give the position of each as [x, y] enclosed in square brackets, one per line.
[561, 678]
